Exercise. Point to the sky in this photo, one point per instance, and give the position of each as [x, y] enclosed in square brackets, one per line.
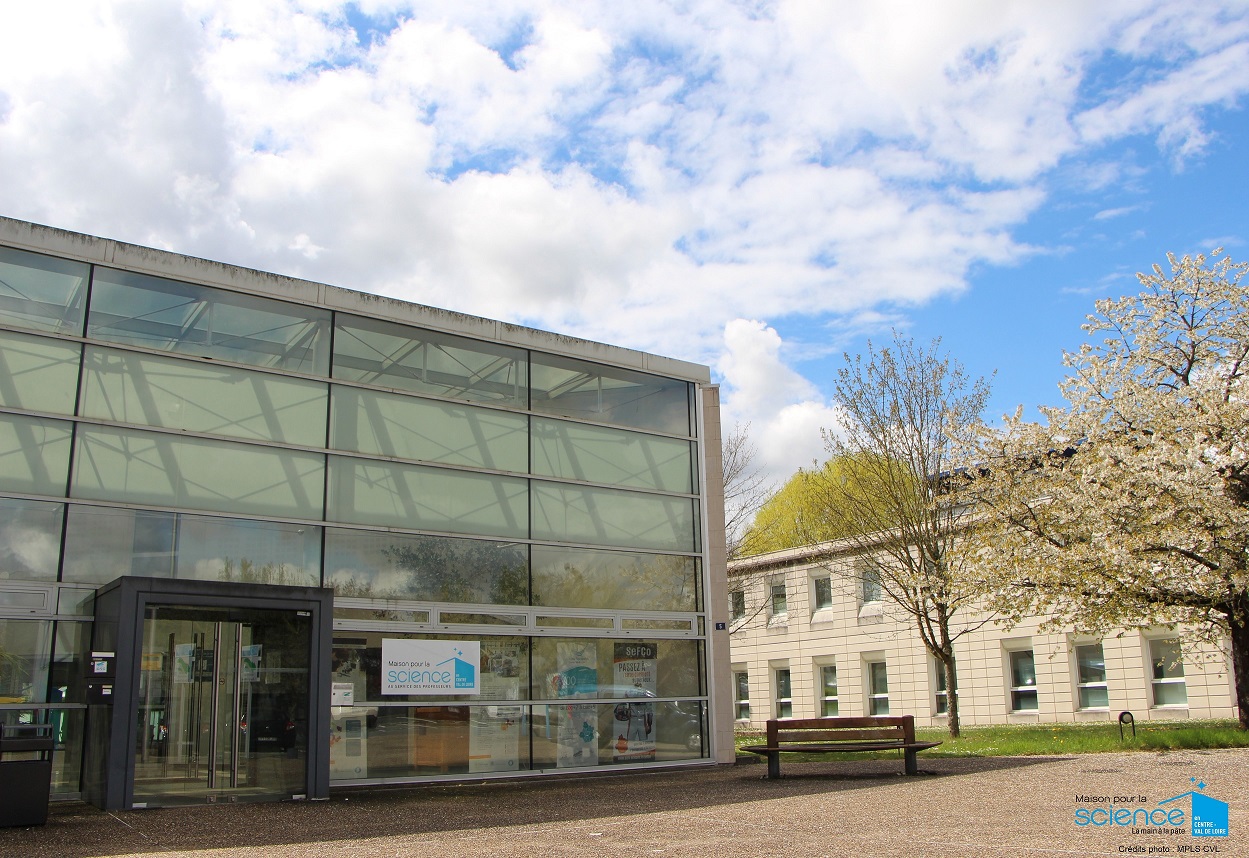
[761, 187]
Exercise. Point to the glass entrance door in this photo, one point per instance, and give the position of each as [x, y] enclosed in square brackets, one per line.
[223, 705]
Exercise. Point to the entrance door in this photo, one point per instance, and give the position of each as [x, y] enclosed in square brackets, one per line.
[223, 698]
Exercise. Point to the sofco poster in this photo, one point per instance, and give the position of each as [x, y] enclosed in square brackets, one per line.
[633, 672]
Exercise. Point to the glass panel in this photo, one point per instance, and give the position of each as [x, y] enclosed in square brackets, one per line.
[665, 625]
[167, 315]
[1022, 669]
[566, 387]
[104, 544]
[223, 704]
[1170, 694]
[390, 615]
[411, 496]
[406, 427]
[1168, 662]
[596, 454]
[75, 602]
[357, 660]
[828, 681]
[589, 667]
[575, 622]
[779, 605]
[67, 734]
[40, 292]
[576, 735]
[25, 653]
[69, 663]
[167, 470]
[177, 394]
[254, 552]
[393, 355]
[585, 578]
[870, 587]
[38, 374]
[380, 565]
[30, 539]
[823, 589]
[879, 677]
[1094, 697]
[482, 619]
[737, 604]
[34, 454]
[606, 517]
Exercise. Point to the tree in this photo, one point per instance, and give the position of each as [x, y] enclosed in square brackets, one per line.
[745, 487]
[907, 415]
[1130, 506]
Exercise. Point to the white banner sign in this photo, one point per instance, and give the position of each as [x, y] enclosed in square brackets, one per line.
[430, 667]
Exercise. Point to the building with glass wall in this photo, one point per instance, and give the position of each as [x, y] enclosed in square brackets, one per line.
[261, 536]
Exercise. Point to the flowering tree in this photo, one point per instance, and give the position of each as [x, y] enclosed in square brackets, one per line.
[1131, 505]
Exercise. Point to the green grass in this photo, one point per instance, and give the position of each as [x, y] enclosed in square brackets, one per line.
[1041, 739]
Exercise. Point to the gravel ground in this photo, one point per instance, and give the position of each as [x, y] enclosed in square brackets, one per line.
[1004, 806]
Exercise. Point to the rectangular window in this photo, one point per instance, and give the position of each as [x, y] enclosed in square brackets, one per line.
[828, 690]
[34, 454]
[784, 696]
[1023, 691]
[40, 374]
[42, 293]
[387, 354]
[569, 513]
[600, 454]
[741, 695]
[1091, 677]
[737, 604]
[614, 580]
[778, 603]
[878, 688]
[821, 592]
[30, 539]
[565, 387]
[870, 589]
[1168, 673]
[167, 315]
[943, 691]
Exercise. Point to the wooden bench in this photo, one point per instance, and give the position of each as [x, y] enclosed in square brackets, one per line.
[838, 735]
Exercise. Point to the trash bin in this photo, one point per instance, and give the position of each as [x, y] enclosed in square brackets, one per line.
[25, 773]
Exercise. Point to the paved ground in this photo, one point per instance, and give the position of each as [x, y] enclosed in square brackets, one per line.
[989, 807]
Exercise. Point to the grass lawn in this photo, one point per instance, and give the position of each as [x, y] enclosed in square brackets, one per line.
[1026, 740]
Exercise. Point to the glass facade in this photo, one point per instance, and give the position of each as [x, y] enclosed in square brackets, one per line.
[542, 508]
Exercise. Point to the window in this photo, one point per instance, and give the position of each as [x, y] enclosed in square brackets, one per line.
[737, 604]
[877, 688]
[1091, 677]
[828, 690]
[1168, 677]
[741, 695]
[784, 699]
[1023, 693]
[943, 690]
[821, 592]
[869, 582]
[779, 608]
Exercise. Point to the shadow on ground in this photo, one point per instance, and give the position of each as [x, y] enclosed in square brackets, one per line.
[76, 830]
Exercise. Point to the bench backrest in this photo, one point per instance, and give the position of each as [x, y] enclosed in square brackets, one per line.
[899, 728]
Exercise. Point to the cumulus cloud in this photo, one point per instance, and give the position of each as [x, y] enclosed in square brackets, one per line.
[644, 174]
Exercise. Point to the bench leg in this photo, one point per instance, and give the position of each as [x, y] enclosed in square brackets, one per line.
[774, 765]
[912, 764]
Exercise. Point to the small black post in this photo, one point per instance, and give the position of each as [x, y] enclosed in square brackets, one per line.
[1126, 718]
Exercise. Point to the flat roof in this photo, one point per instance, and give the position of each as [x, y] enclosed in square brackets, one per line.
[162, 263]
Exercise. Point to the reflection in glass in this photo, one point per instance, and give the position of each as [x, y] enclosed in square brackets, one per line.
[252, 552]
[585, 578]
[40, 292]
[25, 653]
[380, 565]
[38, 374]
[392, 355]
[103, 544]
[129, 387]
[197, 473]
[34, 454]
[567, 513]
[424, 498]
[30, 539]
[598, 454]
[167, 315]
[676, 667]
[604, 394]
[675, 729]
[406, 427]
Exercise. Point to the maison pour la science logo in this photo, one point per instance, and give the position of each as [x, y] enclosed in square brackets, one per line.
[1192, 812]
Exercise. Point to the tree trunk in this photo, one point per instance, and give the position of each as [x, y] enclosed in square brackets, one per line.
[1238, 624]
[951, 693]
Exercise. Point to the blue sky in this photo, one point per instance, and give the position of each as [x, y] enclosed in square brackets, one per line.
[757, 186]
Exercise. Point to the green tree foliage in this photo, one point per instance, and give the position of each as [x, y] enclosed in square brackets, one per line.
[1131, 504]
